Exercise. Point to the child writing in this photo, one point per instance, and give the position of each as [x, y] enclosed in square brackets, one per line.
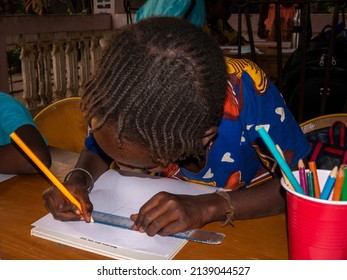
[14, 117]
[165, 100]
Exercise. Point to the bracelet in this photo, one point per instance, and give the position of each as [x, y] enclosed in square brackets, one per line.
[91, 185]
[230, 211]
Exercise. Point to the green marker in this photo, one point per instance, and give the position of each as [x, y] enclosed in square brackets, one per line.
[343, 196]
[310, 183]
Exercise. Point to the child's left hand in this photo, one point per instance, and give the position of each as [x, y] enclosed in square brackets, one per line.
[167, 213]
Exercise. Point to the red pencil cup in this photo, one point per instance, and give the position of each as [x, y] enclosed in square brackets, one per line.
[317, 228]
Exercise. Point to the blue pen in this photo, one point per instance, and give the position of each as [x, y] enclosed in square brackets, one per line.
[280, 160]
[329, 184]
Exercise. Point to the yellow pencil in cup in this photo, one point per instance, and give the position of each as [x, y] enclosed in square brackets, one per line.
[286, 181]
[339, 183]
[46, 171]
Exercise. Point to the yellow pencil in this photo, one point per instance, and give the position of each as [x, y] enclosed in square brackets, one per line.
[338, 183]
[45, 170]
[284, 175]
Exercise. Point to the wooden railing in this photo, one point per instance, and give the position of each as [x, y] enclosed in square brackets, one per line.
[58, 53]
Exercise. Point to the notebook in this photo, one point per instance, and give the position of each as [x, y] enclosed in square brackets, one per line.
[121, 195]
[4, 177]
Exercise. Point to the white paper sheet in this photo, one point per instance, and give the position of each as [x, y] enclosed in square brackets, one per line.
[121, 195]
[4, 177]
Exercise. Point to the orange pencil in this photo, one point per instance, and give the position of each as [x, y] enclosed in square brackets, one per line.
[313, 168]
[338, 183]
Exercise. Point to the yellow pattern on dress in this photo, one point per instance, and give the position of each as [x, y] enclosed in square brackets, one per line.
[237, 66]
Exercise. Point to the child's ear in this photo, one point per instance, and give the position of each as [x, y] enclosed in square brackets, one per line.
[209, 135]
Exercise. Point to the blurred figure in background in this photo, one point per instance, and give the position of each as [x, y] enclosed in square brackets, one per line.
[216, 25]
[267, 21]
[192, 10]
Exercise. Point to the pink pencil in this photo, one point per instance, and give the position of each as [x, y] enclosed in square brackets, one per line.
[302, 176]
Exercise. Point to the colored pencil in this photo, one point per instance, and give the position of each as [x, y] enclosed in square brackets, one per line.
[45, 170]
[286, 181]
[310, 183]
[338, 184]
[280, 160]
[312, 166]
[302, 176]
[344, 186]
[329, 184]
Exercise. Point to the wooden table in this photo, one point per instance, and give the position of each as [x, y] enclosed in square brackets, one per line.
[21, 204]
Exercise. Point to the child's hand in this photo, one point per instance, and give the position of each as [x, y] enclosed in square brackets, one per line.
[167, 213]
[62, 209]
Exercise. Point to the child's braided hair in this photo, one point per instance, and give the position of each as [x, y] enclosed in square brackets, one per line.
[160, 83]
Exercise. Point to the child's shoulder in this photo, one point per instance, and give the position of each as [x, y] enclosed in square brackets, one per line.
[8, 103]
[237, 65]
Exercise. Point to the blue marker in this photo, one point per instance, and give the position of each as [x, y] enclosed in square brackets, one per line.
[280, 160]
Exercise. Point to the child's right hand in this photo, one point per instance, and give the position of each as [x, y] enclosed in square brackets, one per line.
[62, 209]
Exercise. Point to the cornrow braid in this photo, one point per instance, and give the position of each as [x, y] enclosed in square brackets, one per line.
[160, 83]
